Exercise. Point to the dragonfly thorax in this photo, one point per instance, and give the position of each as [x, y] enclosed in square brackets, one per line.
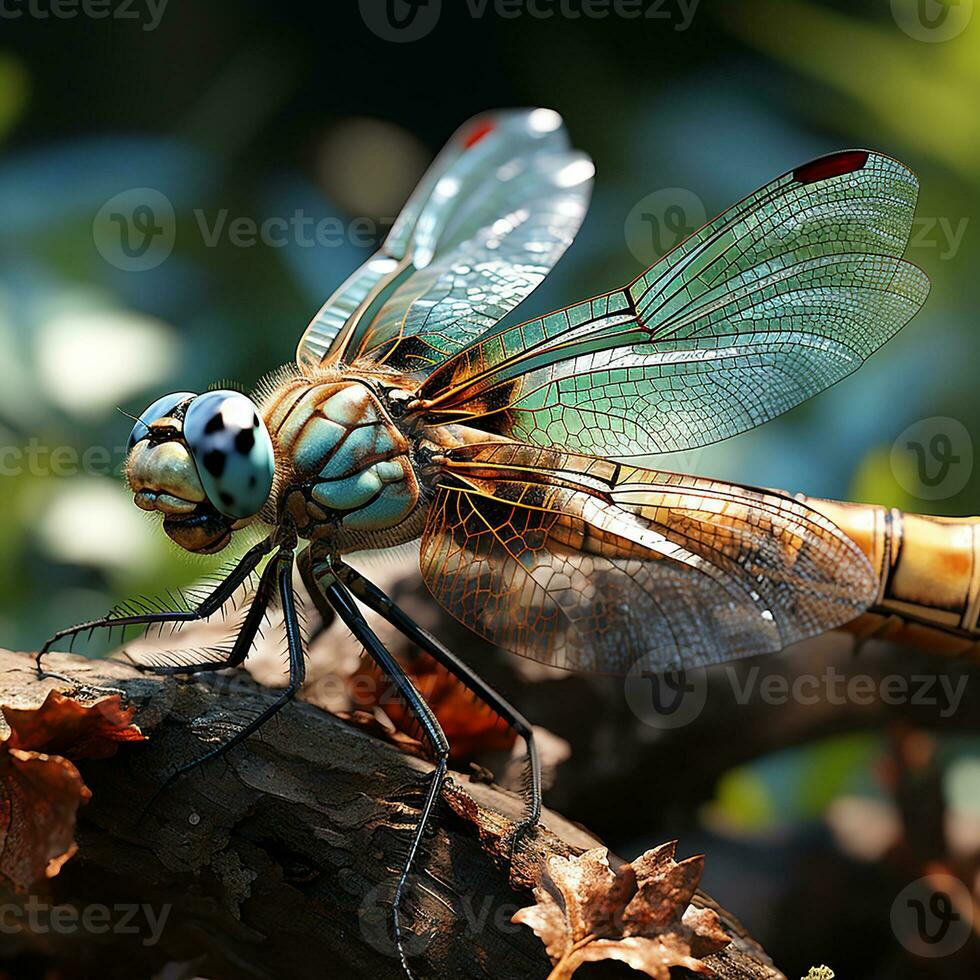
[348, 476]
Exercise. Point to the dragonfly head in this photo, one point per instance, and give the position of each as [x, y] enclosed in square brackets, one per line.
[206, 462]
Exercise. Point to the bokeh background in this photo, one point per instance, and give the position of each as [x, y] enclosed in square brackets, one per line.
[257, 110]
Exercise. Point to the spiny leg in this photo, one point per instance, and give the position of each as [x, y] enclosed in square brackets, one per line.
[325, 586]
[376, 599]
[221, 594]
[244, 638]
[297, 674]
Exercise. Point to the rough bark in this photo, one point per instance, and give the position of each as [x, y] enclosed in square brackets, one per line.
[277, 861]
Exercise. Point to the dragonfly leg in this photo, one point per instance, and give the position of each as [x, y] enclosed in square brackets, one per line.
[283, 565]
[376, 599]
[221, 594]
[326, 589]
[244, 638]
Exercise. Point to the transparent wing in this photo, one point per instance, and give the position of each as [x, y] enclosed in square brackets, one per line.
[781, 296]
[491, 216]
[584, 563]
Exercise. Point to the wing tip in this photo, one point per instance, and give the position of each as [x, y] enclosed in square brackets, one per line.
[535, 122]
[916, 284]
[843, 162]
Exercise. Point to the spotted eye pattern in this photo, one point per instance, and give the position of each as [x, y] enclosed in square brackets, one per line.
[161, 408]
[232, 451]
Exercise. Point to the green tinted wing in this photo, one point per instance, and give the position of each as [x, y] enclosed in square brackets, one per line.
[784, 294]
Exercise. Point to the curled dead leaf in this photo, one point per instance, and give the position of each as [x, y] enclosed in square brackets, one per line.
[639, 914]
[40, 788]
[74, 729]
[470, 725]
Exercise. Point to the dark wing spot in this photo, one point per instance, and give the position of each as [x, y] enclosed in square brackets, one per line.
[255, 421]
[226, 498]
[214, 462]
[252, 481]
[244, 441]
[831, 165]
[215, 424]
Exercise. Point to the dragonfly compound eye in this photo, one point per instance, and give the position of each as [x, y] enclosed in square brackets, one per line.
[160, 409]
[232, 451]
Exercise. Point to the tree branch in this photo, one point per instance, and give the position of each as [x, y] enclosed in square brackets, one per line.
[280, 860]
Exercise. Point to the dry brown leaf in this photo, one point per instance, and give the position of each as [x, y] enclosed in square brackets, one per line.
[75, 729]
[470, 725]
[639, 914]
[40, 789]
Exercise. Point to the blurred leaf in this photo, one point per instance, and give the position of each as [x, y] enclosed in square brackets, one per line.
[743, 804]
[14, 90]
[793, 786]
[831, 768]
[961, 783]
[900, 80]
[874, 481]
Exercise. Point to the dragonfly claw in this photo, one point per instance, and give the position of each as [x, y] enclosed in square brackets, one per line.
[515, 837]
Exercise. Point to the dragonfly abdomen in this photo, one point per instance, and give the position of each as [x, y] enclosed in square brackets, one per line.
[347, 474]
[928, 572]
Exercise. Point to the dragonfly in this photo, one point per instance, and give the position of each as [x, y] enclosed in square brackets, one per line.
[415, 412]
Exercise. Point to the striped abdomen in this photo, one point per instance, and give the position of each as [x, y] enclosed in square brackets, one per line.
[928, 570]
[347, 472]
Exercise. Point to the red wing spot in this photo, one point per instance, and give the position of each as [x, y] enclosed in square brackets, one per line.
[832, 165]
[477, 133]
